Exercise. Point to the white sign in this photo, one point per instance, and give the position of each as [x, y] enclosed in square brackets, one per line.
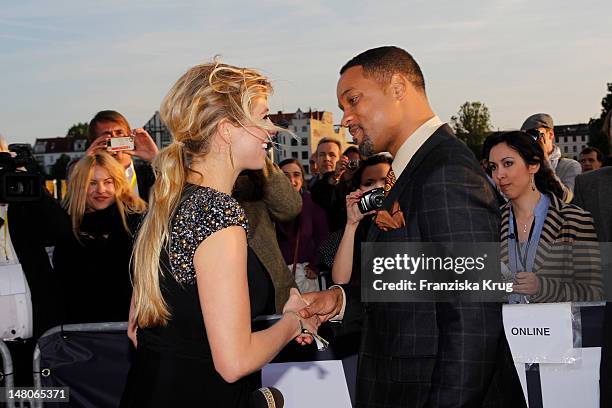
[309, 384]
[540, 333]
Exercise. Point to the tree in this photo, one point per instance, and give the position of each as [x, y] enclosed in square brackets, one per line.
[472, 125]
[58, 170]
[78, 130]
[597, 137]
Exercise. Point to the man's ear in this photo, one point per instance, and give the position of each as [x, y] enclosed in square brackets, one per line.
[399, 86]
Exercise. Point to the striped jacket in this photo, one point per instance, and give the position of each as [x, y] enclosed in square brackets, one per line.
[568, 261]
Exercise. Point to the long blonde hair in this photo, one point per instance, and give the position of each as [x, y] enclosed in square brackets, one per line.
[75, 201]
[195, 106]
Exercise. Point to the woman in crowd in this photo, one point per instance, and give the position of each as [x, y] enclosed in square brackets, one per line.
[197, 284]
[92, 256]
[549, 247]
[300, 238]
[347, 261]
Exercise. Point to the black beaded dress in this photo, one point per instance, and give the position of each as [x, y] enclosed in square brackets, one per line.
[173, 365]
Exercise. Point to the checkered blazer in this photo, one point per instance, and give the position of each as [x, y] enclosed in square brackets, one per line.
[437, 354]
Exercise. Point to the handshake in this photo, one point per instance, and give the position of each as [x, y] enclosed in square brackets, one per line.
[312, 309]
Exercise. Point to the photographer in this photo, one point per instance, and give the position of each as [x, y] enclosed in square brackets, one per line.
[109, 124]
[25, 237]
[346, 261]
[335, 179]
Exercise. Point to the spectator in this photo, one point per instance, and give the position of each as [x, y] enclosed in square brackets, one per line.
[347, 261]
[590, 158]
[565, 169]
[327, 191]
[268, 197]
[314, 171]
[537, 221]
[300, 238]
[108, 124]
[607, 129]
[594, 193]
[92, 256]
[351, 159]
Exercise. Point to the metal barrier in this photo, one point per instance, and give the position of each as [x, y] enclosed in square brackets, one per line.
[6, 375]
[84, 327]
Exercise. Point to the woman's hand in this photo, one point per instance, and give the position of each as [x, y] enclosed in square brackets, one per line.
[131, 332]
[526, 283]
[353, 214]
[293, 306]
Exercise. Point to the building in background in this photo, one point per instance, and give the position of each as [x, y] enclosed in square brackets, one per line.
[48, 151]
[571, 139]
[158, 131]
[308, 129]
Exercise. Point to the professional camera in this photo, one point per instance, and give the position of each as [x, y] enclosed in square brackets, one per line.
[371, 200]
[17, 185]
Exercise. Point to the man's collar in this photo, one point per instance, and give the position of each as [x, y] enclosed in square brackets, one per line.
[413, 143]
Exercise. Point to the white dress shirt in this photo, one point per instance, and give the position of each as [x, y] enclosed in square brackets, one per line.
[403, 156]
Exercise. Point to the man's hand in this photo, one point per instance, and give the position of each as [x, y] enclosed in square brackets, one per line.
[98, 145]
[144, 146]
[312, 272]
[341, 166]
[325, 304]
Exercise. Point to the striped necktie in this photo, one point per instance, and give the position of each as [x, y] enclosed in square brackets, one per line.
[389, 181]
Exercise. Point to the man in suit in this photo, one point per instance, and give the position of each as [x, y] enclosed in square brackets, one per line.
[108, 124]
[593, 192]
[421, 354]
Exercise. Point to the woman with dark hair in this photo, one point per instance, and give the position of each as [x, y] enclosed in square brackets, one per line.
[346, 254]
[549, 247]
[300, 238]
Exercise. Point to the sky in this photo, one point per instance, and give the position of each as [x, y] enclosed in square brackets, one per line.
[63, 61]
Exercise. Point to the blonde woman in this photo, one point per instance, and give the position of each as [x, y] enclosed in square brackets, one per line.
[92, 252]
[196, 284]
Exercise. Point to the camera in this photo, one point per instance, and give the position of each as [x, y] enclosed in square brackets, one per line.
[118, 144]
[535, 134]
[353, 164]
[371, 200]
[18, 185]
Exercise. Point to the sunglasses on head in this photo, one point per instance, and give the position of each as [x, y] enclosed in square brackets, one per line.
[535, 134]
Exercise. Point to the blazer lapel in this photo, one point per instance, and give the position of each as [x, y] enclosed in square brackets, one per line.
[550, 231]
[504, 234]
[443, 133]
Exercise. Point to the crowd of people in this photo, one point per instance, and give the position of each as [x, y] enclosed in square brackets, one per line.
[192, 242]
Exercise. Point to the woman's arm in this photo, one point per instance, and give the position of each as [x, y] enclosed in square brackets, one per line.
[132, 327]
[221, 271]
[343, 261]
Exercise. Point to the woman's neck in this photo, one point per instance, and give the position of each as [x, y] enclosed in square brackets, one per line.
[524, 205]
[213, 173]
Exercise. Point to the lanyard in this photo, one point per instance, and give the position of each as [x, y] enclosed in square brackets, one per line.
[5, 241]
[133, 181]
[517, 247]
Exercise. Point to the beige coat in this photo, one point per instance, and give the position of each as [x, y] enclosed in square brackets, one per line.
[280, 203]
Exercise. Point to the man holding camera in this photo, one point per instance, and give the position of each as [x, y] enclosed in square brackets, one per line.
[109, 124]
[331, 188]
[565, 169]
